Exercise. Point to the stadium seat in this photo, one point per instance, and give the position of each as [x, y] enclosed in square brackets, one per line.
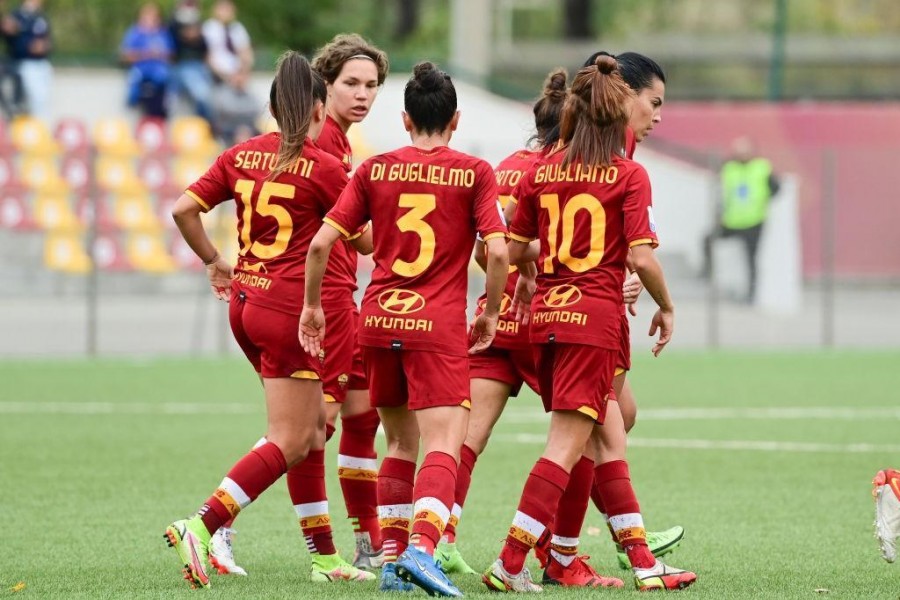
[31, 136]
[154, 172]
[108, 254]
[116, 173]
[132, 211]
[93, 209]
[40, 173]
[188, 169]
[112, 137]
[72, 136]
[166, 198]
[191, 136]
[6, 146]
[14, 213]
[184, 257]
[65, 252]
[152, 136]
[76, 170]
[52, 212]
[147, 252]
[7, 171]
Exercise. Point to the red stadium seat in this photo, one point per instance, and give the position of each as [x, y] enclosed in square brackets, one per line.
[152, 136]
[94, 210]
[72, 135]
[165, 200]
[76, 170]
[108, 254]
[184, 257]
[7, 171]
[154, 172]
[14, 212]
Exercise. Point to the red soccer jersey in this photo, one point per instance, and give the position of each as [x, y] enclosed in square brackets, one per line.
[276, 219]
[340, 274]
[586, 219]
[510, 333]
[425, 207]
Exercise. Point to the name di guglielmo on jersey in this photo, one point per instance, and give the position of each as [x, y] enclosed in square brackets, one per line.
[422, 173]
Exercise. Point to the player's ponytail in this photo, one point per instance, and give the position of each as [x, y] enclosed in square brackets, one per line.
[293, 96]
[548, 108]
[595, 115]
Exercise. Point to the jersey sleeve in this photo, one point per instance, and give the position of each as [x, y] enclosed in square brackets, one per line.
[488, 212]
[640, 228]
[351, 211]
[523, 227]
[213, 188]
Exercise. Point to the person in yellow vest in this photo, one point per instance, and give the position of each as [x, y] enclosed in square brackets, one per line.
[748, 184]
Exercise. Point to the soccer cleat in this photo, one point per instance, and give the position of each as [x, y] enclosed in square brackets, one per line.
[366, 557]
[221, 553]
[451, 561]
[498, 580]
[659, 542]
[419, 568]
[331, 567]
[662, 577]
[578, 574]
[190, 538]
[390, 582]
[886, 491]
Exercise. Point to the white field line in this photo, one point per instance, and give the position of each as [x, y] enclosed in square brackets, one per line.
[709, 414]
[129, 408]
[759, 446]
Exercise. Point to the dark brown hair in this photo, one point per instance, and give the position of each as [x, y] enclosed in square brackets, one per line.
[330, 58]
[595, 115]
[293, 96]
[429, 98]
[548, 108]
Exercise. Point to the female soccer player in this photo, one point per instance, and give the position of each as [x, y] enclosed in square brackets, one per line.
[587, 205]
[353, 71]
[426, 203]
[283, 185]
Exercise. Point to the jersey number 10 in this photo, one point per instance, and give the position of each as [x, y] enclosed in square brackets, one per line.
[563, 254]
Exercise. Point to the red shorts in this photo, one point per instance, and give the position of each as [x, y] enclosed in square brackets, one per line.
[269, 340]
[623, 364]
[343, 360]
[575, 377]
[416, 378]
[512, 367]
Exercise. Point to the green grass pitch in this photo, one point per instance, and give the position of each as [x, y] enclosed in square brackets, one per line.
[771, 478]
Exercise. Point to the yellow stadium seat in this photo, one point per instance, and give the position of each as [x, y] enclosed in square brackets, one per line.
[112, 136]
[147, 252]
[65, 252]
[52, 212]
[116, 173]
[32, 136]
[40, 173]
[187, 170]
[191, 136]
[133, 211]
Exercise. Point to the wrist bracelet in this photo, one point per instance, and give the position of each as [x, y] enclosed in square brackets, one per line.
[212, 260]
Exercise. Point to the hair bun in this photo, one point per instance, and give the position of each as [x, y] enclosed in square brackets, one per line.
[556, 81]
[428, 77]
[606, 64]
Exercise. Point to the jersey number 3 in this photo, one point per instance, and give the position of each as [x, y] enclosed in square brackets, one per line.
[420, 205]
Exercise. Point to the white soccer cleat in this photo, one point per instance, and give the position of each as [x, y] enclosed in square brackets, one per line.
[221, 553]
[497, 579]
[366, 557]
[886, 490]
[662, 577]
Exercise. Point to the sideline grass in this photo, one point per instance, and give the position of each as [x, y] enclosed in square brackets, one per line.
[85, 497]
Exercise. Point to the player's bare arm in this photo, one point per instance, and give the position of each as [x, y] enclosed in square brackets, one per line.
[220, 272]
[312, 319]
[650, 272]
[485, 326]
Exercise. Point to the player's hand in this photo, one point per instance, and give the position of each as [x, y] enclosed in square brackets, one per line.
[220, 273]
[482, 332]
[312, 329]
[664, 321]
[521, 303]
[631, 289]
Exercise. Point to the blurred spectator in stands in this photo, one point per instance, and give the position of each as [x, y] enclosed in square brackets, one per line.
[27, 33]
[747, 184]
[147, 49]
[234, 108]
[190, 73]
